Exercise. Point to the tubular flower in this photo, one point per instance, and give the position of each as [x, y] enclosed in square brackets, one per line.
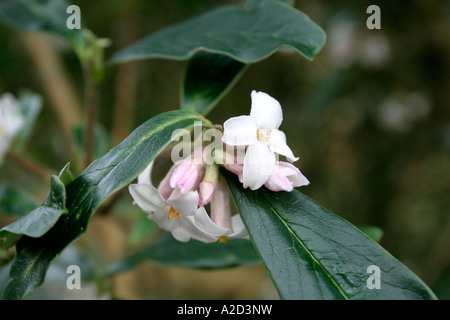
[220, 226]
[165, 212]
[179, 213]
[259, 131]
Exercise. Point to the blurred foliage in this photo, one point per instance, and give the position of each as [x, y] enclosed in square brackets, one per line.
[369, 116]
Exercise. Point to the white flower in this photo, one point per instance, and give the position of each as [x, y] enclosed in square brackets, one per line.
[201, 227]
[11, 121]
[180, 215]
[260, 132]
[221, 225]
[165, 212]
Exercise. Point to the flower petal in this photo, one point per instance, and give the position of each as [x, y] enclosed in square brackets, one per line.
[146, 176]
[285, 177]
[266, 110]
[278, 182]
[203, 222]
[184, 203]
[164, 186]
[239, 230]
[181, 234]
[240, 131]
[277, 144]
[293, 174]
[258, 165]
[199, 227]
[147, 197]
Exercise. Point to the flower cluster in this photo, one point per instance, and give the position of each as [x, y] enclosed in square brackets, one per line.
[11, 121]
[192, 185]
[264, 142]
[178, 204]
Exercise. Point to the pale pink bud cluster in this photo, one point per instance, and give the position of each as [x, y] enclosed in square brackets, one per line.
[188, 174]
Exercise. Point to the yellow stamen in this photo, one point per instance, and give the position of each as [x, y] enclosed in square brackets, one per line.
[223, 239]
[173, 213]
[262, 136]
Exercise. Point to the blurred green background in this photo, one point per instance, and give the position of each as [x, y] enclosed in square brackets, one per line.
[369, 118]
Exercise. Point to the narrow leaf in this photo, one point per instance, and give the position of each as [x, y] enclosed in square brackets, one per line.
[207, 79]
[39, 221]
[193, 254]
[106, 175]
[311, 253]
[41, 15]
[247, 35]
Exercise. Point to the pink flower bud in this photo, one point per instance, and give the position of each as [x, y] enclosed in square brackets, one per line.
[285, 177]
[188, 174]
[208, 184]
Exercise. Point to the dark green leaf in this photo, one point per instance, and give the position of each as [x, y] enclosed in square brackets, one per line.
[193, 254]
[246, 35]
[39, 221]
[208, 78]
[311, 253]
[106, 175]
[251, 3]
[14, 202]
[41, 15]
[65, 175]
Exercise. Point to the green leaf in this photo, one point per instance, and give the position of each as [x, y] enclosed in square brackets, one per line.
[251, 3]
[40, 220]
[106, 175]
[192, 254]
[42, 15]
[246, 35]
[65, 175]
[14, 202]
[207, 79]
[311, 253]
